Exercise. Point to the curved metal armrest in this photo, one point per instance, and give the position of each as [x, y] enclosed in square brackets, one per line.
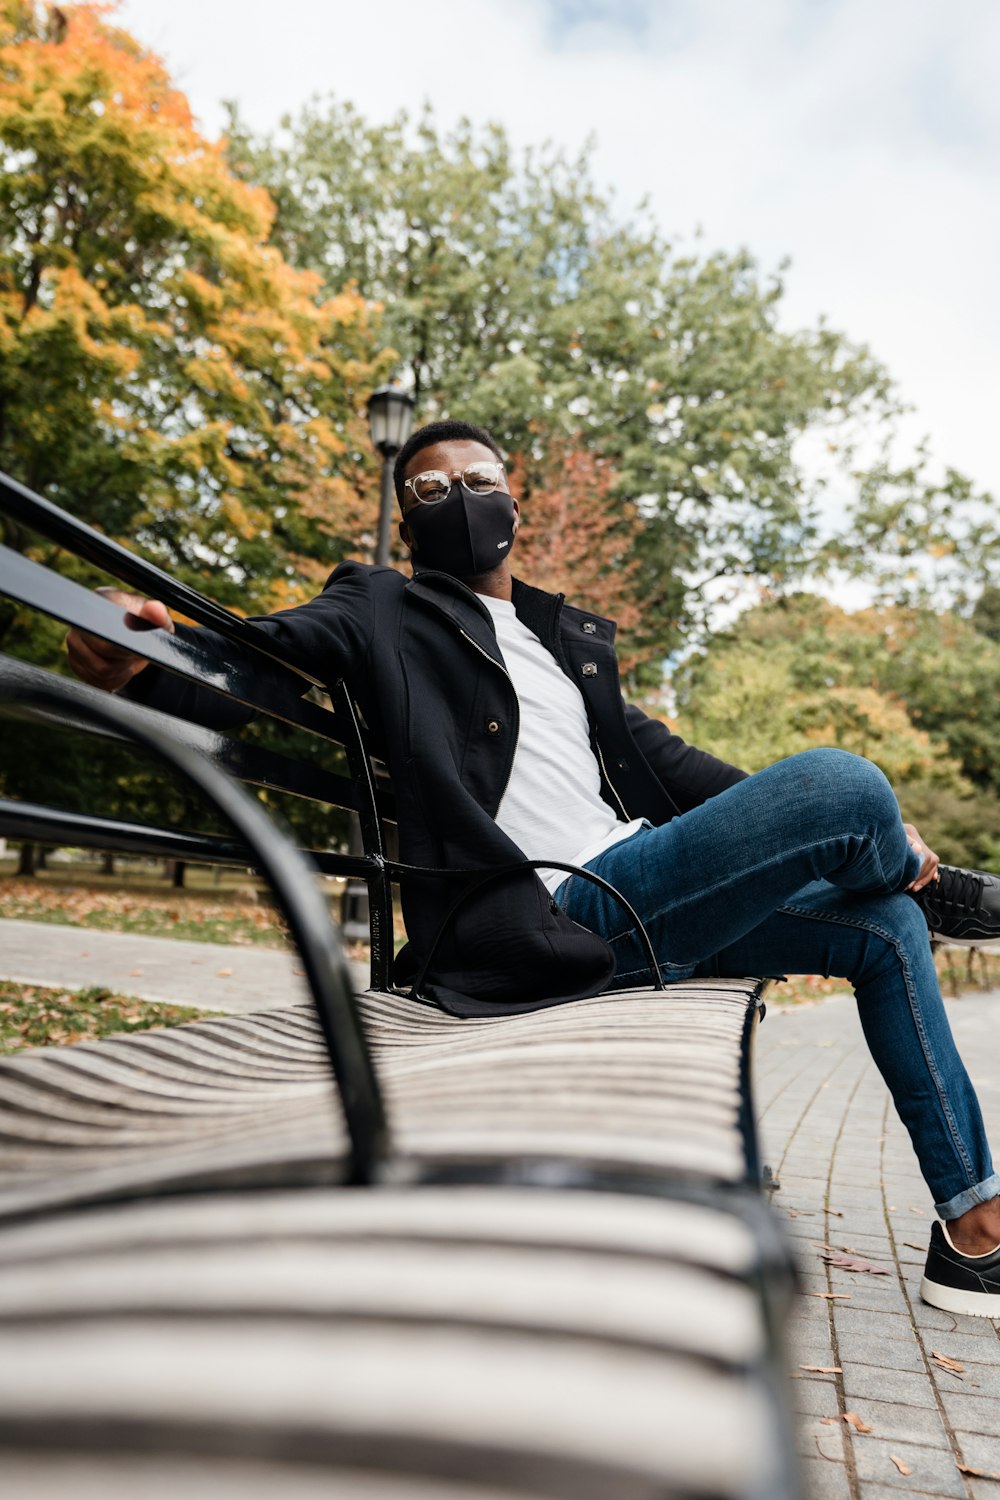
[288, 873]
[505, 872]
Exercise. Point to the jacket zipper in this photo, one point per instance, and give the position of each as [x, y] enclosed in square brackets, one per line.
[517, 726]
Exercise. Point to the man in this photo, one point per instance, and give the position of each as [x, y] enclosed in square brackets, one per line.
[498, 711]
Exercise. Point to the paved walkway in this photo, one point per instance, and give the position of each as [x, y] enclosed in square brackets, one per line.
[848, 1180]
[204, 975]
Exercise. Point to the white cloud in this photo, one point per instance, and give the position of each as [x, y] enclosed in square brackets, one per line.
[858, 137]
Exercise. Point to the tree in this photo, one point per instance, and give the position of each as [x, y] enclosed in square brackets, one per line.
[941, 670]
[747, 703]
[516, 297]
[923, 539]
[986, 613]
[909, 689]
[575, 538]
[164, 373]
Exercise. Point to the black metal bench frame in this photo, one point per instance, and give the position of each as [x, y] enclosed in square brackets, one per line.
[284, 689]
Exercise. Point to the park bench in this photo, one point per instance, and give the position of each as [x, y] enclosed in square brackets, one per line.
[364, 1247]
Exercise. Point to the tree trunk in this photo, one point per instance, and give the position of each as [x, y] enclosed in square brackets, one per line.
[42, 859]
[178, 876]
[107, 863]
[26, 860]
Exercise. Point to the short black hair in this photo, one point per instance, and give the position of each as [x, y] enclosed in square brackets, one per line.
[439, 432]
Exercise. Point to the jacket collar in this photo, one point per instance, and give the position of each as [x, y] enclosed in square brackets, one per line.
[540, 611]
[458, 604]
[536, 608]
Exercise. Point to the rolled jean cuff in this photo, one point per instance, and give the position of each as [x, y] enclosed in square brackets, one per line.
[983, 1192]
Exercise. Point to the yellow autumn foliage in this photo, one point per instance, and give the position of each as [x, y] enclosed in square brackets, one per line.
[163, 370]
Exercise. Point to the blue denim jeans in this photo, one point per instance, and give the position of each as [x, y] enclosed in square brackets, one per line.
[802, 869]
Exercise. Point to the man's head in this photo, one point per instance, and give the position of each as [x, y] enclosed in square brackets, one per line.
[441, 468]
[412, 458]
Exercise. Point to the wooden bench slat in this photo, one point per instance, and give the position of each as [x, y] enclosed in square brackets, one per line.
[693, 1233]
[603, 1082]
[552, 1401]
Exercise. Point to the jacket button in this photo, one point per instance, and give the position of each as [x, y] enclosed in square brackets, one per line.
[588, 627]
[493, 726]
[590, 669]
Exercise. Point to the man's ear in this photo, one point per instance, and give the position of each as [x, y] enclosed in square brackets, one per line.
[517, 515]
[404, 535]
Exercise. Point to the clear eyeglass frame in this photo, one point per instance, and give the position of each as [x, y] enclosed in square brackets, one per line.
[434, 484]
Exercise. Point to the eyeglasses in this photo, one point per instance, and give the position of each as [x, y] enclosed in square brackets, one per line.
[434, 484]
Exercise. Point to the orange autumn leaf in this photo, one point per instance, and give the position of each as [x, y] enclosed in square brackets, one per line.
[945, 1362]
[845, 1262]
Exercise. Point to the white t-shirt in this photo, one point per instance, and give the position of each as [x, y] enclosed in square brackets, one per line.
[552, 805]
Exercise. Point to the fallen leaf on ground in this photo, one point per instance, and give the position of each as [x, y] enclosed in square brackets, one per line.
[851, 1418]
[223, 973]
[854, 1263]
[832, 1296]
[823, 1369]
[945, 1362]
[135, 973]
[977, 1473]
[900, 1465]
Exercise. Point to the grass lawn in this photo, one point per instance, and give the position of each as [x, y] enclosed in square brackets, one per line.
[35, 1017]
[236, 913]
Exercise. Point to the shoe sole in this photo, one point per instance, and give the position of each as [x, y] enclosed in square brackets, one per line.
[951, 1299]
[993, 941]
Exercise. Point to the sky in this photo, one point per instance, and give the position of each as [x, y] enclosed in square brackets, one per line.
[860, 139]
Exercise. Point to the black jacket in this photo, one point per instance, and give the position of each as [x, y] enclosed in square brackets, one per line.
[421, 657]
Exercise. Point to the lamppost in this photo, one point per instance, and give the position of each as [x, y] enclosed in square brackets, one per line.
[390, 417]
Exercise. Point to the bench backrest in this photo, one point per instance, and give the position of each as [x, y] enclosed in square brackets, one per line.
[278, 687]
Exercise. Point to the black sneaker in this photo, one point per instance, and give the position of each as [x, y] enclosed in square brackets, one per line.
[962, 906]
[960, 1283]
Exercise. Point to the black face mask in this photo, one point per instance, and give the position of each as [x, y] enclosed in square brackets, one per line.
[464, 534]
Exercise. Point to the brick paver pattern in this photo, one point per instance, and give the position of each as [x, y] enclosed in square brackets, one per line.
[849, 1181]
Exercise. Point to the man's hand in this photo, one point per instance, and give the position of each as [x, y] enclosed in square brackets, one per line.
[107, 666]
[928, 870]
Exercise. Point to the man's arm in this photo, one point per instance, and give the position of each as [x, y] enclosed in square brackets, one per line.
[326, 635]
[689, 775]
